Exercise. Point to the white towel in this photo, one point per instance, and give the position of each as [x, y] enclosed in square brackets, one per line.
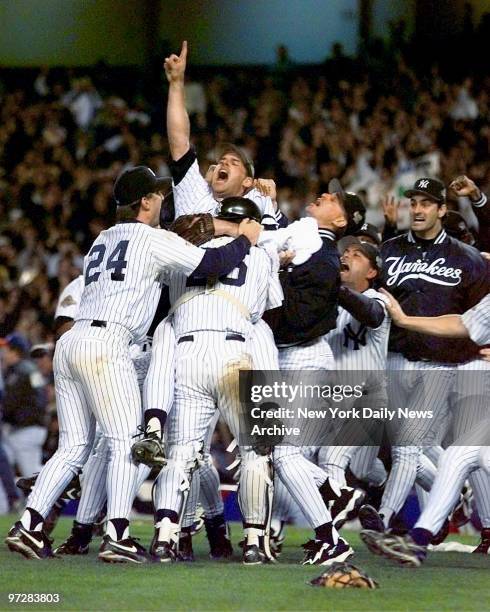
[301, 237]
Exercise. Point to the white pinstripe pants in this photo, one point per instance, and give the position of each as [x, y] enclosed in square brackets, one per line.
[95, 379]
[409, 388]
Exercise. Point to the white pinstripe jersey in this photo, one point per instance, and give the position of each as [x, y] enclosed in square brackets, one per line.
[194, 195]
[122, 274]
[254, 283]
[356, 346]
[477, 321]
[70, 297]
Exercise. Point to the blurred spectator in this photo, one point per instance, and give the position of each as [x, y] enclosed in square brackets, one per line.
[24, 406]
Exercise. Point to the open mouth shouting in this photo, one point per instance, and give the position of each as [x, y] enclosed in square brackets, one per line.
[222, 175]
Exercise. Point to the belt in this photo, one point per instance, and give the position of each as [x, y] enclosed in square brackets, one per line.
[190, 338]
[96, 323]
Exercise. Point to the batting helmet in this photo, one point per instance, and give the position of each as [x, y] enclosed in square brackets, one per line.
[237, 208]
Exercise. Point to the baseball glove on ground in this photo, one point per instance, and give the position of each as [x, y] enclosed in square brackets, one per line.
[196, 229]
[344, 576]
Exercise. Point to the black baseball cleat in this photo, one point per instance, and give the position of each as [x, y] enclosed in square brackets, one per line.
[185, 552]
[370, 519]
[346, 507]
[149, 450]
[401, 550]
[163, 552]
[372, 540]
[31, 544]
[483, 547]
[319, 552]
[123, 551]
[219, 540]
[72, 546]
[252, 555]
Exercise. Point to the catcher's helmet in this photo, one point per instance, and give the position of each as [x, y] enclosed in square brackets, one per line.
[238, 208]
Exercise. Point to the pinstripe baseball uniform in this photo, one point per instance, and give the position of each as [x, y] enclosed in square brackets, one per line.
[472, 435]
[95, 377]
[193, 194]
[429, 278]
[359, 348]
[301, 477]
[213, 342]
[69, 300]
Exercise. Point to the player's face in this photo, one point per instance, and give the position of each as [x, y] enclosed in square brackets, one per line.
[356, 270]
[229, 177]
[425, 216]
[155, 203]
[327, 210]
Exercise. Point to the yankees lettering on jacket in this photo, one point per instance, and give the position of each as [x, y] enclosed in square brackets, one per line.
[432, 278]
[437, 272]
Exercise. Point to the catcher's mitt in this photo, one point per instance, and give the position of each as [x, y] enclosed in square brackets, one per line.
[344, 576]
[149, 451]
[196, 229]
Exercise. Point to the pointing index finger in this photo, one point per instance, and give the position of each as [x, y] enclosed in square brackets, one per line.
[183, 52]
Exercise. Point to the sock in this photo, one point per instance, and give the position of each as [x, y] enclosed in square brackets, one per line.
[330, 489]
[170, 514]
[118, 528]
[252, 535]
[155, 421]
[82, 532]
[32, 520]
[420, 536]
[324, 532]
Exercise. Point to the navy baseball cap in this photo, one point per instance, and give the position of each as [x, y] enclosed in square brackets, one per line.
[368, 249]
[369, 230]
[133, 184]
[16, 341]
[432, 188]
[354, 206]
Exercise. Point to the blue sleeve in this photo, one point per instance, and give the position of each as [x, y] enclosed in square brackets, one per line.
[364, 309]
[281, 219]
[221, 261]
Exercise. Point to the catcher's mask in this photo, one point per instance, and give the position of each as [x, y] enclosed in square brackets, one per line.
[236, 209]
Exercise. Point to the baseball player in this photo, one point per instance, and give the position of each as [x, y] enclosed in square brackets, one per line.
[233, 175]
[359, 342]
[212, 327]
[67, 306]
[430, 274]
[300, 326]
[460, 459]
[95, 377]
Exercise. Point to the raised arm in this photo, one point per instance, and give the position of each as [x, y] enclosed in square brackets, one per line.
[178, 125]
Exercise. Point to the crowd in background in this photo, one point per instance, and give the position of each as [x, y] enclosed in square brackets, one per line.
[375, 123]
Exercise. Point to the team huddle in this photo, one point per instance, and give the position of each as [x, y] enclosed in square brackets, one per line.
[154, 333]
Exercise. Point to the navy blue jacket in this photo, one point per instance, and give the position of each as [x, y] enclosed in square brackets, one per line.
[431, 278]
[311, 292]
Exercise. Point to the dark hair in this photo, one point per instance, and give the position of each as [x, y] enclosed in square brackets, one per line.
[128, 212]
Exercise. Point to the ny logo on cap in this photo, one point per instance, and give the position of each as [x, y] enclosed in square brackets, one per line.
[423, 184]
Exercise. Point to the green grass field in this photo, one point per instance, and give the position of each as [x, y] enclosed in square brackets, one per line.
[448, 581]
